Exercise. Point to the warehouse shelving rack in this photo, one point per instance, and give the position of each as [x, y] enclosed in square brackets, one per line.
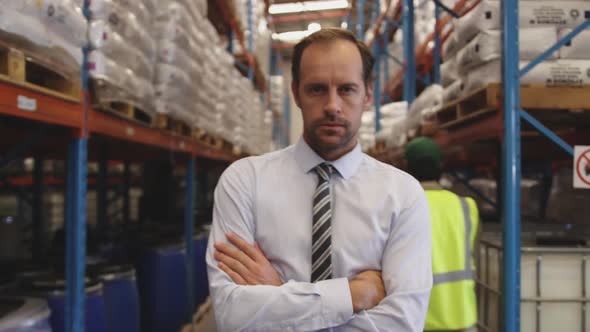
[69, 129]
[504, 126]
[247, 63]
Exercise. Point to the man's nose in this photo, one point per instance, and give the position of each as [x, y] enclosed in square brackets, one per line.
[333, 104]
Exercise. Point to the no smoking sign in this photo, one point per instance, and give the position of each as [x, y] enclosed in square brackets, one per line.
[582, 166]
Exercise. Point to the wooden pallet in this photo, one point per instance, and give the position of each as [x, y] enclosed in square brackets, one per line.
[209, 140]
[552, 104]
[178, 127]
[127, 111]
[36, 72]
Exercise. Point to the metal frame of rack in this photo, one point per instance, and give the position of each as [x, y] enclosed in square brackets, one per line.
[82, 121]
[511, 149]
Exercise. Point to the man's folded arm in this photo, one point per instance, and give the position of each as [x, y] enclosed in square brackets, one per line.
[297, 305]
[406, 273]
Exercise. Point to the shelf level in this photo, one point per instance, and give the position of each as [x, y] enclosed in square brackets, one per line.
[36, 106]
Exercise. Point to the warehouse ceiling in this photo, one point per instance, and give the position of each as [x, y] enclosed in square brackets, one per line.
[289, 24]
[290, 20]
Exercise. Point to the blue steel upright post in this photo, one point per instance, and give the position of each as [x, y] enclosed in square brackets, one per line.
[511, 170]
[378, 51]
[409, 51]
[76, 213]
[437, 53]
[377, 84]
[189, 207]
[39, 222]
[360, 15]
[250, 50]
[75, 235]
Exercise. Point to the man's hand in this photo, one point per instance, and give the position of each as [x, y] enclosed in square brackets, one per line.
[246, 264]
[367, 290]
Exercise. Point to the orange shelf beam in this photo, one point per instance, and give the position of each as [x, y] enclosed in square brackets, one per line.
[40, 107]
[36, 106]
[101, 123]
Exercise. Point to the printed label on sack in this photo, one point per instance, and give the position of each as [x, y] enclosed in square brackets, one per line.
[548, 16]
[26, 104]
[565, 75]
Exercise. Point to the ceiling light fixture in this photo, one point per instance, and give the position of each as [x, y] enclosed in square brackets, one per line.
[306, 6]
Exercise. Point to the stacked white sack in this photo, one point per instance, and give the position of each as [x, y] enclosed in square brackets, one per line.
[53, 29]
[473, 53]
[423, 108]
[121, 60]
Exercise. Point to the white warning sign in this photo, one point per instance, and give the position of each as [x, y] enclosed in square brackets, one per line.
[582, 166]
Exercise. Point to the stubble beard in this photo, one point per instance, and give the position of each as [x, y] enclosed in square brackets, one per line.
[323, 147]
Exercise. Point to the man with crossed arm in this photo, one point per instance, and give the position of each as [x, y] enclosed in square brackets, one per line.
[320, 236]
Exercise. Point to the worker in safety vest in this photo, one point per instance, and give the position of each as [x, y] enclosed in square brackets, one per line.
[454, 220]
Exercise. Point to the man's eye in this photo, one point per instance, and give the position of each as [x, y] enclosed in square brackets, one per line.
[316, 89]
[347, 89]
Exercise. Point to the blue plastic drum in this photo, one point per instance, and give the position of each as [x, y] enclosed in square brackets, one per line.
[201, 280]
[162, 285]
[121, 298]
[53, 290]
[24, 315]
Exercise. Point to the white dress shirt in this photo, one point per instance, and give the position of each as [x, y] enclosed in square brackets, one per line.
[380, 221]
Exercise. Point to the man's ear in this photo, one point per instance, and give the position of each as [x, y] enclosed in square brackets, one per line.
[369, 95]
[295, 93]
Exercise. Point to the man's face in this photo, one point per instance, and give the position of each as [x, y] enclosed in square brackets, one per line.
[332, 96]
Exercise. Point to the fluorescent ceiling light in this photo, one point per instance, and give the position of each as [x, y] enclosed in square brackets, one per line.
[306, 6]
[291, 36]
[313, 27]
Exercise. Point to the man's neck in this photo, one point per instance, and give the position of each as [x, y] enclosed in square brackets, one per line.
[333, 154]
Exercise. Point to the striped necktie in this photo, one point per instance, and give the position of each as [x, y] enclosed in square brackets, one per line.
[321, 260]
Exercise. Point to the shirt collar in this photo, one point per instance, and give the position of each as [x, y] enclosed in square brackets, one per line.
[347, 165]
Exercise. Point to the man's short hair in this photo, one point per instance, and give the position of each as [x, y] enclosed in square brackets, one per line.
[327, 35]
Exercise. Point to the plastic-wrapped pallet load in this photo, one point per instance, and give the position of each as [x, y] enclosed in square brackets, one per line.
[532, 14]
[453, 91]
[487, 46]
[429, 100]
[393, 124]
[449, 72]
[121, 61]
[562, 72]
[178, 61]
[51, 30]
[367, 130]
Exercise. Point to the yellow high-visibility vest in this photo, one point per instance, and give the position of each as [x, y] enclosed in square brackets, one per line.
[455, 221]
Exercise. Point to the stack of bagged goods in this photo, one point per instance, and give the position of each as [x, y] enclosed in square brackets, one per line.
[423, 109]
[277, 93]
[424, 23]
[367, 130]
[393, 124]
[252, 122]
[181, 48]
[478, 62]
[121, 60]
[51, 31]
